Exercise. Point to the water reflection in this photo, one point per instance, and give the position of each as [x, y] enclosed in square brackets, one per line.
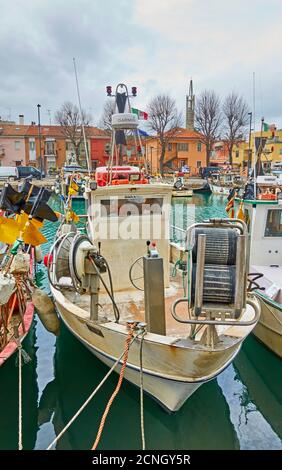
[202, 423]
[9, 380]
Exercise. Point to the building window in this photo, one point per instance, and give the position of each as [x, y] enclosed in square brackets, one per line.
[182, 147]
[69, 146]
[50, 148]
[199, 163]
[237, 154]
[32, 145]
[17, 145]
[280, 151]
[169, 147]
[199, 146]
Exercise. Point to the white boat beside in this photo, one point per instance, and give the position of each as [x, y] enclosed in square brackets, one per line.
[187, 326]
[264, 218]
[222, 184]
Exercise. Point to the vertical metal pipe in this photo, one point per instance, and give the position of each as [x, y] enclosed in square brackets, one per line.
[94, 296]
[240, 285]
[201, 251]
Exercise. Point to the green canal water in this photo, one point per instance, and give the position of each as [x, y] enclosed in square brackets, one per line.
[241, 409]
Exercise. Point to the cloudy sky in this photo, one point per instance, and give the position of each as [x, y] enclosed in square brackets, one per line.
[156, 45]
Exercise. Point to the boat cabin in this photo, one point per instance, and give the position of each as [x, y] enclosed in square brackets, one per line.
[122, 218]
[119, 175]
[264, 220]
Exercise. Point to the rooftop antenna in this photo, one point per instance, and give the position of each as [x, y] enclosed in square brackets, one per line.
[49, 114]
[81, 117]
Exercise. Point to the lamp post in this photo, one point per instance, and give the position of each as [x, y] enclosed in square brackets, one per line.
[249, 149]
[151, 148]
[39, 138]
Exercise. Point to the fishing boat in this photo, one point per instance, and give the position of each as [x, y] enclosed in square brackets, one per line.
[182, 193]
[222, 183]
[264, 217]
[117, 284]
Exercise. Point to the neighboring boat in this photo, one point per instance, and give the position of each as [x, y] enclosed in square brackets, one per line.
[187, 339]
[205, 189]
[20, 250]
[222, 183]
[264, 217]
[182, 193]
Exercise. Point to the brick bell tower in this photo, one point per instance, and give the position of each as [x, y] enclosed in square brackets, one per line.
[190, 108]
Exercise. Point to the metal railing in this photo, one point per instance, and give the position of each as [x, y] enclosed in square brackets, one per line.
[177, 235]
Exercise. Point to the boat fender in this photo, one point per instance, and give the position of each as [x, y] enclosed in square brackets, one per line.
[47, 260]
[20, 263]
[7, 287]
[46, 311]
[38, 254]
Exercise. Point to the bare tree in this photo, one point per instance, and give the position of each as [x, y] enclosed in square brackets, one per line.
[68, 117]
[164, 120]
[106, 118]
[208, 119]
[235, 115]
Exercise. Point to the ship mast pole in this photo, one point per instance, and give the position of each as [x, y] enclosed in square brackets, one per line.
[254, 117]
[81, 117]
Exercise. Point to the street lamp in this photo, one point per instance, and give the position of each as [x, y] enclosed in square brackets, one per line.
[151, 148]
[249, 149]
[39, 138]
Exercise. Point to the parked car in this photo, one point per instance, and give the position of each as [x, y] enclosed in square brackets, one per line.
[9, 172]
[26, 171]
[206, 171]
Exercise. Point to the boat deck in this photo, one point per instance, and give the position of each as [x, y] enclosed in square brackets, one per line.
[131, 306]
[271, 281]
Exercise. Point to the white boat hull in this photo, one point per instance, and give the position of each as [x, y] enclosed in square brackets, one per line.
[173, 368]
[269, 328]
[220, 190]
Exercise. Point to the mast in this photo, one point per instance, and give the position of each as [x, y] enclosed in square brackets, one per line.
[82, 120]
[255, 153]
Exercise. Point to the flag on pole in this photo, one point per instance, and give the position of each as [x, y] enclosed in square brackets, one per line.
[230, 204]
[140, 114]
[265, 127]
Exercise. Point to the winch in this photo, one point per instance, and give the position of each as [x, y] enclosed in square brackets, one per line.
[75, 263]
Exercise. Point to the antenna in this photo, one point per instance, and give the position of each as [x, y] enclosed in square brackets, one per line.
[49, 114]
[254, 118]
[81, 117]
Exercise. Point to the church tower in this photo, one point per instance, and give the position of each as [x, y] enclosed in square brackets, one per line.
[190, 108]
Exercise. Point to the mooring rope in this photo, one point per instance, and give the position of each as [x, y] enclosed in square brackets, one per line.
[20, 446]
[89, 398]
[142, 393]
[115, 392]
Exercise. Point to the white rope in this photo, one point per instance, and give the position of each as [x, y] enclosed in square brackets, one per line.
[88, 399]
[20, 401]
[142, 394]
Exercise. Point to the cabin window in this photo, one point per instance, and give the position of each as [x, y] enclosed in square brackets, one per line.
[131, 205]
[199, 146]
[273, 226]
[169, 147]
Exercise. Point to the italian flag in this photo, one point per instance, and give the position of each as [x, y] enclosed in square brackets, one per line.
[140, 114]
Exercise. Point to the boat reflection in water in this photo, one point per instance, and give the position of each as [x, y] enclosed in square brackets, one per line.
[202, 423]
[260, 370]
[9, 380]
